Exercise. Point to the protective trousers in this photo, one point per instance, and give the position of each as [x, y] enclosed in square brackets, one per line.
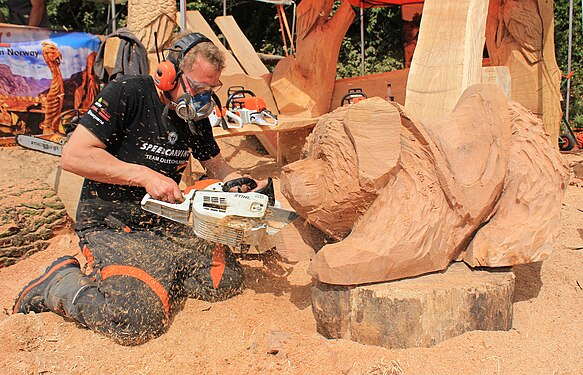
[141, 279]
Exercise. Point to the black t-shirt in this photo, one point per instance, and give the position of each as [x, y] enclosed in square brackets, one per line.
[127, 118]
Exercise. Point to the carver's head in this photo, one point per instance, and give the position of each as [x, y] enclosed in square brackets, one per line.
[190, 74]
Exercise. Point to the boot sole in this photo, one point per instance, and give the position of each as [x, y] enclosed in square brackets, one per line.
[58, 264]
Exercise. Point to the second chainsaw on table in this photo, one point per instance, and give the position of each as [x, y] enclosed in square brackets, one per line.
[243, 107]
[231, 218]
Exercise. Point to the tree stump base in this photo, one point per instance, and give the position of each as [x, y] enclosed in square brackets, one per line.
[416, 312]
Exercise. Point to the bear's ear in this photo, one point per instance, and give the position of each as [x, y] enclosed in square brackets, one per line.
[374, 127]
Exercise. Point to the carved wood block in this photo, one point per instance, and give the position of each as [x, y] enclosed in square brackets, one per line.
[403, 197]
[417, 312]
[529, 200]
[448, 56]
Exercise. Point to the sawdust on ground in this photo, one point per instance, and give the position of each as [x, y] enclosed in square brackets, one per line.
[270, 328]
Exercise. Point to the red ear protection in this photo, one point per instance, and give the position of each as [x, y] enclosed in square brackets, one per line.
[165, 76]
[168, 71]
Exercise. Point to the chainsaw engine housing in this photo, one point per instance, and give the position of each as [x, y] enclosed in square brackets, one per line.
[232, 218]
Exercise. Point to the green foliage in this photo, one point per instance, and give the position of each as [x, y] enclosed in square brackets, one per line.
[84, 15]
[3, 10]
[259, 22]
[382, 39]
[561, 49]
[79, 15]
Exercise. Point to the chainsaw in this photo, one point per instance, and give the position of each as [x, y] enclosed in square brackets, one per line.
[353, 96]
[49, 144]
[53, 143]
[240, 220]
[250, 108]
[231, 118]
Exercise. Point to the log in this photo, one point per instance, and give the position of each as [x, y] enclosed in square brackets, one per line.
[418, 312]
[448, 56]
[29, 213]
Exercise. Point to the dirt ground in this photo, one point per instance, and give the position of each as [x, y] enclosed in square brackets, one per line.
[270, 328]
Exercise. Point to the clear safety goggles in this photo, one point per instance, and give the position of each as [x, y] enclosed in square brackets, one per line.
[199, 88]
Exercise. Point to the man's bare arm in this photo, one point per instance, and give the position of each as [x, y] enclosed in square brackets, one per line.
[36, 14]
[85, 155]
[218, 168]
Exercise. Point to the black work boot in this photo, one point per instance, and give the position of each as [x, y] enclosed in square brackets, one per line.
[33, 297]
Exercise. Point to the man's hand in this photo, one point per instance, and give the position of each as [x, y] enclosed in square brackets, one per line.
[163, 188]
[244, 188]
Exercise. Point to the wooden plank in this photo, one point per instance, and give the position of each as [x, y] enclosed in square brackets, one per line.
[110, 54]
[241, 47]
[195, 22]
[247, 129]
[372, 85]
[448, 56]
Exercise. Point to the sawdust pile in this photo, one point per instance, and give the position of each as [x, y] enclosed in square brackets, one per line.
[269, 328]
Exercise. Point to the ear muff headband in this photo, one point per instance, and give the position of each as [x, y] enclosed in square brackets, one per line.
[168, 71]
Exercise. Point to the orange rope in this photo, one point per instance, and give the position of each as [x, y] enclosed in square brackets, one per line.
[281, 28]
[291, 39]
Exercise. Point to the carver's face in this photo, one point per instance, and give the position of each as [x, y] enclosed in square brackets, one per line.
[202, 77]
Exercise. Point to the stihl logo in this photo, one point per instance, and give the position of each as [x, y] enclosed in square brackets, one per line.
[4, 44]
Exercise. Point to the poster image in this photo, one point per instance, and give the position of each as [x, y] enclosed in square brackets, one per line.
[44, 75]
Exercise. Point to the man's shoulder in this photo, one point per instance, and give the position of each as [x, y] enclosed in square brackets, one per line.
[130, 85]
[139, 80]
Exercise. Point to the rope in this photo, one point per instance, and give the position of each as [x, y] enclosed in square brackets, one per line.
[282, 31]
[289, 35]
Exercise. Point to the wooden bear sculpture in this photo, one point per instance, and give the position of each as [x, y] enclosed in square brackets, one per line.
[403, 198]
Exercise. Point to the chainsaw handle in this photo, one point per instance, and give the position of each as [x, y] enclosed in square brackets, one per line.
[232, 89]
[352, 95]
[236, 94]
[238, 182]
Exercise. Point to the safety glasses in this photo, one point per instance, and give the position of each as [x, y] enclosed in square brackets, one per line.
[199, 88]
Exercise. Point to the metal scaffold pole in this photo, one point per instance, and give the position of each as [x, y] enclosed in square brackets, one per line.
[569, 60]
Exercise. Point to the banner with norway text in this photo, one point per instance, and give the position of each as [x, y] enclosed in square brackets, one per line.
[44, 75]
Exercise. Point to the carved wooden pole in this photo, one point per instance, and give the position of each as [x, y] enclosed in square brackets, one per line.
[302, 84]
[520, 35]
[448, 56]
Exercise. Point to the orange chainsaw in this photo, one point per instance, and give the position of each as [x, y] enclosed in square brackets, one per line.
[352, 97]
[250, 108]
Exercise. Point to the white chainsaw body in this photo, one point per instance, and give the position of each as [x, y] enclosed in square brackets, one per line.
[226, 217]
